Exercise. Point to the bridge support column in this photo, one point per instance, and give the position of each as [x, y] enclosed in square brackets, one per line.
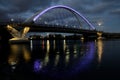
[17, 35]
[99, 35]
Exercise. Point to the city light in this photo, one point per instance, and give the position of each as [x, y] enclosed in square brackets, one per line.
[12, 19]
[100, 24]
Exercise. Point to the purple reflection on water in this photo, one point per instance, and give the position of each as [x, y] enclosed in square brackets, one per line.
[87, 58]
[37, 65]
[82, 64]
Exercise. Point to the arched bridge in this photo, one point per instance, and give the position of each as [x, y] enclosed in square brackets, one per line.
[75, 15]
[60, 19]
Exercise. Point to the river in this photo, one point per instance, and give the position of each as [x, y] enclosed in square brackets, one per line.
[60, 60]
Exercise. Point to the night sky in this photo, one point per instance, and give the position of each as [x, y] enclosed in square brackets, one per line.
[103, 14]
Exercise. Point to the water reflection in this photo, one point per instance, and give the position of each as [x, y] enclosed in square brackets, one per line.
[18, 53]
[56, 58]
[99, 50]
[61, 57]
[47, 53]
[31, 45]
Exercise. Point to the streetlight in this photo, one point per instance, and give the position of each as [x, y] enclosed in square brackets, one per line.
[45, 22]
[100, 25]
[12, 20]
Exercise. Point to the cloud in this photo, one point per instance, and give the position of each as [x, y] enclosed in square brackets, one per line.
[92, 9]
[12, 8]
[116, 1]
[100, 8]
[116, 11]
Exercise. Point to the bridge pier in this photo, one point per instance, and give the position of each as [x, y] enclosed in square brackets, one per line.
[88, 37]
[99, 35]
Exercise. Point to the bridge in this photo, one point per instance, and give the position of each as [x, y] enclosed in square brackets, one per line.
[57, 19]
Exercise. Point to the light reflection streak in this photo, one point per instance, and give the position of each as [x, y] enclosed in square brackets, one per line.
[43, 46]
[31, 45]
[46, 60]
[75, 51]
[26, 54]
[100, 50]
[57, 59]
[64, 44]
[83, 62]
[54, 44]
[13, 60]
[67, 50]
[13, 57]
[16, 52]
[74, 48]
[48, 46]
[67, 57]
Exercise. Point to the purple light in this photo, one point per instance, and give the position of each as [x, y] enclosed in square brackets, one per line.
[66, 7]
[86, 60]
[89, 54]
[37, 65]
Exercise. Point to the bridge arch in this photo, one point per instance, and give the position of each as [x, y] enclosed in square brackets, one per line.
[67, 8]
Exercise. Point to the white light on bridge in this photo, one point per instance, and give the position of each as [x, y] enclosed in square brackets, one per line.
[66, 25]
[12, 19]
[45, 22]
[99, 23]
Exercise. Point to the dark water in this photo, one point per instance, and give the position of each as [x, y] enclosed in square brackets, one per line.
[60, 60]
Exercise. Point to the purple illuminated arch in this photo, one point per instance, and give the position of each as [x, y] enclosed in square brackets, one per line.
[65, 7]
